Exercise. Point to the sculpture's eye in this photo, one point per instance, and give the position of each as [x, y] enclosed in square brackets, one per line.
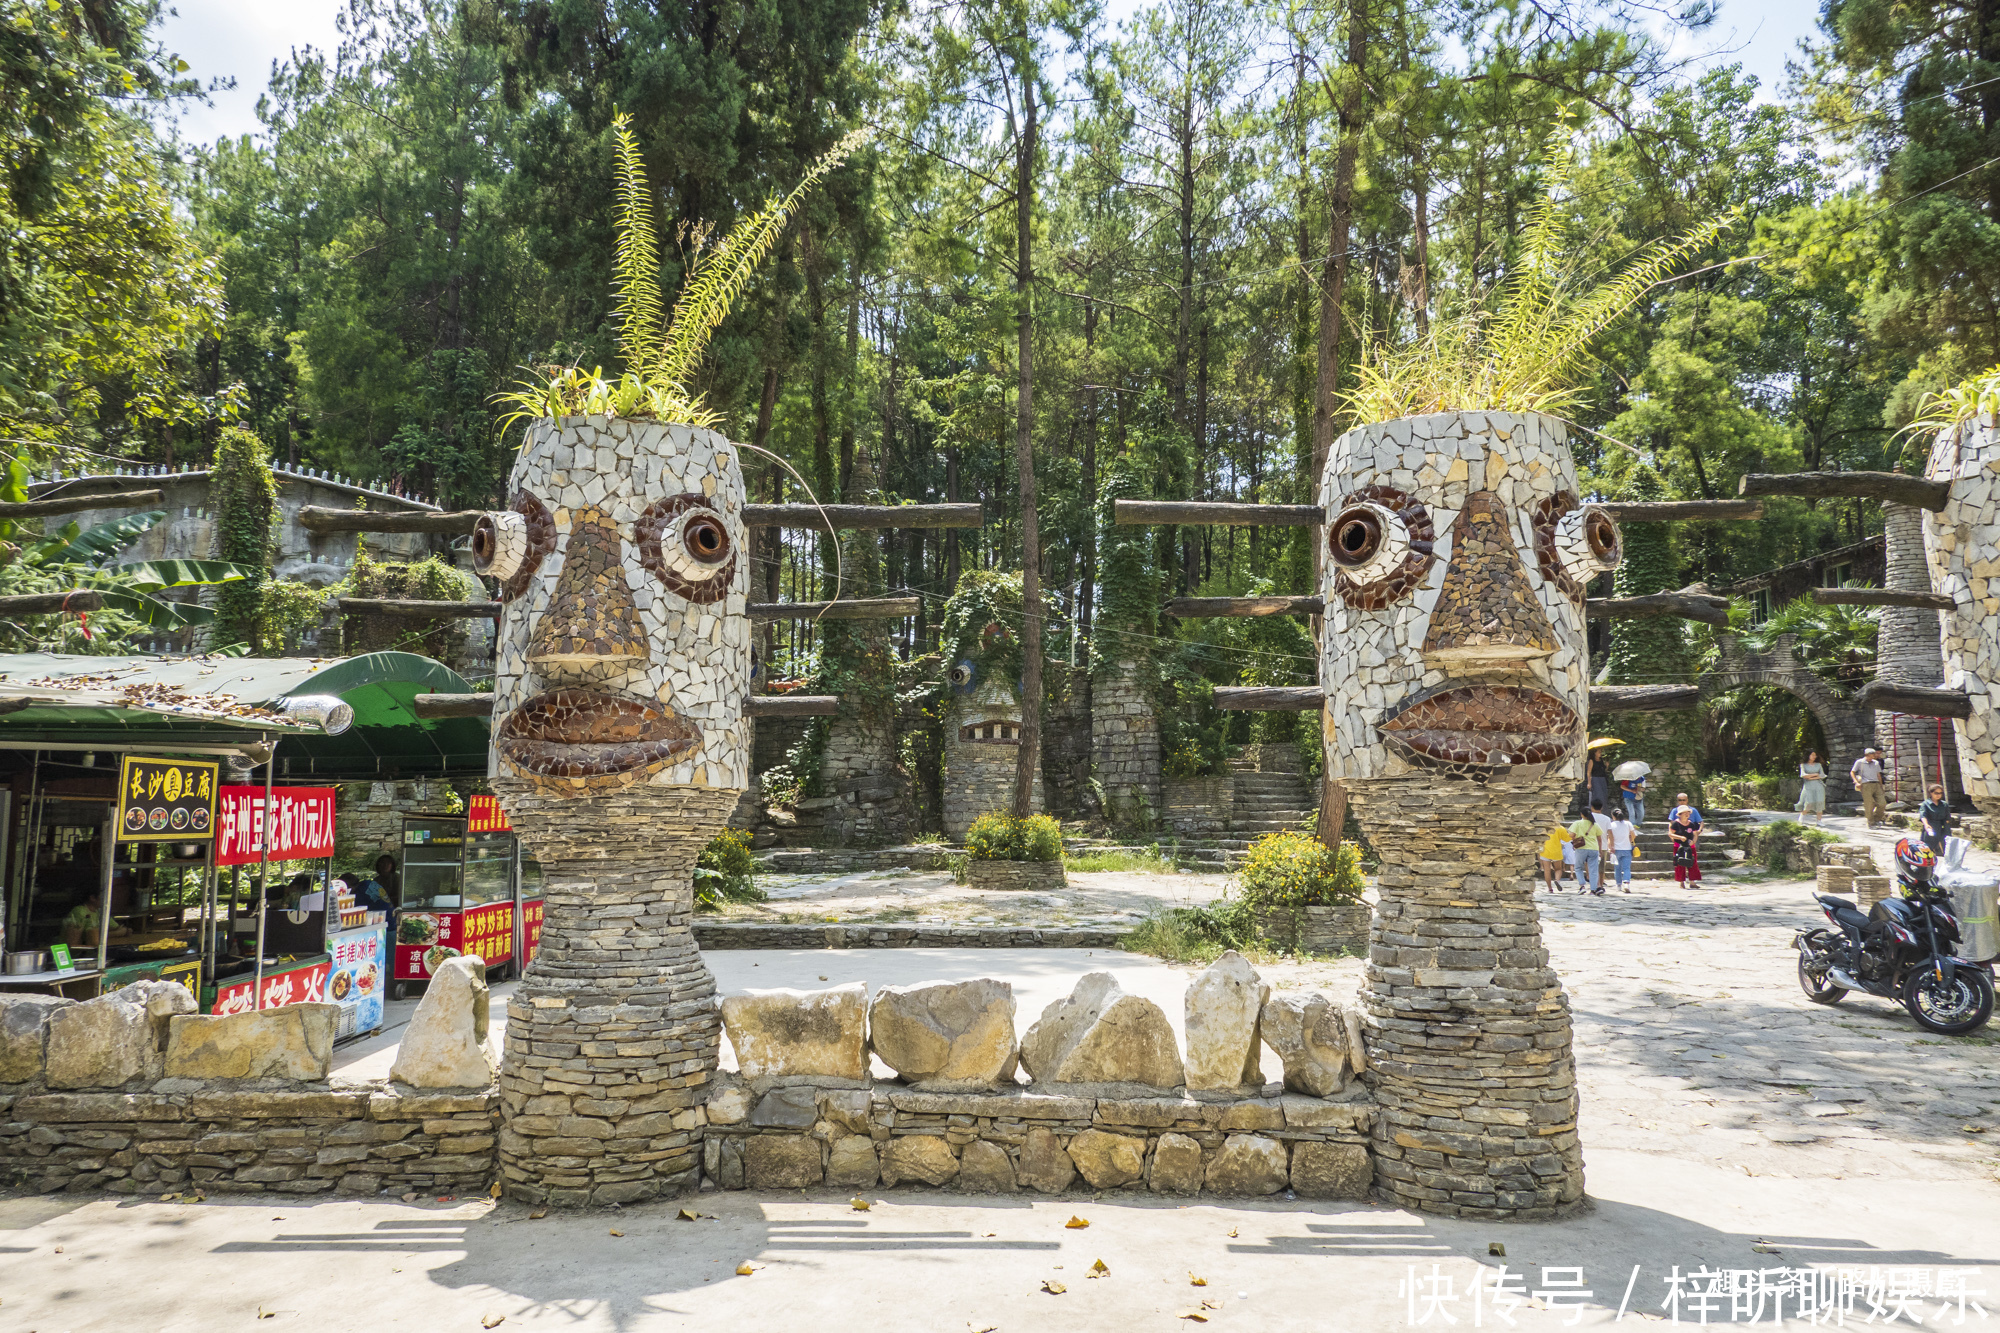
[684, 540]
[1367, 542]
[1575, 542]
[961, 675]
[510, 544]
[1380, 546]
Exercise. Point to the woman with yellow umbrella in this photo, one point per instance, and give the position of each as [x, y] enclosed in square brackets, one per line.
[1599, 770]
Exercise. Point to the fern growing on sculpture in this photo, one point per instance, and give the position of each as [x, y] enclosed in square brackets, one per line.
[1527, 353]
[663, 351]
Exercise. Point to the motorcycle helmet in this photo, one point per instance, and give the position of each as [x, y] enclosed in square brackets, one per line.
[1915, 865]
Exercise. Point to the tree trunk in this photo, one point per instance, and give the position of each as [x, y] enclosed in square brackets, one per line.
[1340, 218]
[1028, 761]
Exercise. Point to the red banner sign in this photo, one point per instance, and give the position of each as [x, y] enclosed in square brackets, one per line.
[301, 819]
[305, 985]
[484, 815]
[531, 930]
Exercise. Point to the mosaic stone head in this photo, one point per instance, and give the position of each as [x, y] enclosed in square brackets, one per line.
[1962, 545]
[1457, 554]
[624, 641]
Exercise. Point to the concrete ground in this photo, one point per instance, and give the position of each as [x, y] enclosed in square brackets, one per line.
[1728, 1126]
[1092, 898]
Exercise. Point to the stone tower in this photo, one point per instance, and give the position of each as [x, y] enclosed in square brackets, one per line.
[619, 750]
[1455, 671]
[1909, 652]
[1962, 544]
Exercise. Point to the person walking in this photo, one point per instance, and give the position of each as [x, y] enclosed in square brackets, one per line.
[1867, 776]
[1812, 792]
[1634, 792]
[1590, 857]
[1600, 780]
[1623, 836]
[1551, 859]
[1935, 814]
[1684, 829]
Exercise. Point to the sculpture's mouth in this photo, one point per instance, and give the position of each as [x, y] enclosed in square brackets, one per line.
[584, 734]
[999, 730]
[1490, 728]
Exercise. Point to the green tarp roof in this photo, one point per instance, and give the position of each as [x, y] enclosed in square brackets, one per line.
[132, 703]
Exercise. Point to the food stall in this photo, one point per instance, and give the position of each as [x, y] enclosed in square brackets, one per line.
[467, 889]
[123, 909]
[320, 945]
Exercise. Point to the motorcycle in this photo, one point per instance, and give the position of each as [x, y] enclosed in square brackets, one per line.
[1902, 950]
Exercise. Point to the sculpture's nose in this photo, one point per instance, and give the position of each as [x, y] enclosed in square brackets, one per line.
[592, 617]
[1486, 615]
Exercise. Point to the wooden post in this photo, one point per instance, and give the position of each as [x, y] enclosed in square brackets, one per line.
[1269, 698]
[321, 520]
[868, 608]
[1925, 601]
[410, 606]
[1707, 610]
[1643, 698]
[1189, 607]
[826, 518]
[1915, 700]
[1687, 511]
[1215, 513]
[1894, 486]
[77, 504]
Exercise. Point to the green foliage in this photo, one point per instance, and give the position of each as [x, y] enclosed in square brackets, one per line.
[663, 356]
[1146, 861]
[726, 872]
[1837, 642]
[284, 612]
[244, 497]
[1200, 934]
[429, 579]
[1290, 869]
[1001, 837]
[1528, 355]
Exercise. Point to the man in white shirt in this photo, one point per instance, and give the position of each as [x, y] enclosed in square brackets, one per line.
[1867, 775]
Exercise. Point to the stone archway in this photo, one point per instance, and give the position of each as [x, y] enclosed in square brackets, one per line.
[1849, 727]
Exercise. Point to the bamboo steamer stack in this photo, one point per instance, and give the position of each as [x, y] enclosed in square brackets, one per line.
[1870, 889]
[1836, 879]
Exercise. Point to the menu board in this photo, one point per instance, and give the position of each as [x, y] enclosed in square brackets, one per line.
[301, 824]
[484, 815]
[359, 976]
[531, 930]
[424, 940]
[489, 932]
[166, 800]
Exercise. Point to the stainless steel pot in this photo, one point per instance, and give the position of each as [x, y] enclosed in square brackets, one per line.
[20, 963]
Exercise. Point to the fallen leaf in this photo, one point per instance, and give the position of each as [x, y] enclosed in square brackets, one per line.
[1099, 1269]
[496, 1194]
[688, 1215]
[1232, 1233]
[409, 1198]
[1194, 1316]
[822, 978]
[1211, 1305]
[1194, 1281]
[1761, 1248]
[744, 1269]
[990, 1328]
[1973, 1129]
[277, 1219]
[859, 1204]
[1495, 1248]
[166, 1198]
[538, 1214]
[1076, 1223]
[617, 1233]
[492, 1320]
[58, 1249]
[1053, 1288]
[262, 1313]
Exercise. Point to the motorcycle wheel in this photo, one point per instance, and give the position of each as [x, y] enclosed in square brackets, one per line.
[1820, 990]
[1951, 1011]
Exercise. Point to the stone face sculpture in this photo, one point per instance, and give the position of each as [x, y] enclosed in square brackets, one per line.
[982, 733]
[619, 750]
[1962, 544]
[1456, 675]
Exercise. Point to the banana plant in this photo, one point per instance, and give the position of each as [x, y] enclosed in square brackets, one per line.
[80, 559]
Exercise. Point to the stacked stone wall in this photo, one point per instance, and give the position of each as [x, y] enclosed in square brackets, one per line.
[217, 1140]
[368, 817]
[770, 1134]
[1199, 807]
[1125, 744]
[978, 780]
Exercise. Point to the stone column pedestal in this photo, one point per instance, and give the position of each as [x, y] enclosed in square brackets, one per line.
[1468, 1026]
[614, 1031]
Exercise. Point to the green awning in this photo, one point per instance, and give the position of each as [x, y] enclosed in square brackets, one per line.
[160, 703]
